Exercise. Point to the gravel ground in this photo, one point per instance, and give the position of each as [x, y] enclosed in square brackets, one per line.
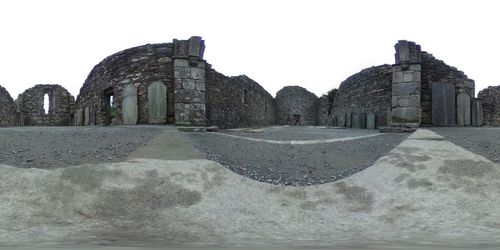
[300, 133]
[296, 165]
[45, 147]
[482, 141]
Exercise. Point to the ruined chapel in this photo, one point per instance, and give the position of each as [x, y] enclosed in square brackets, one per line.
[172, 83]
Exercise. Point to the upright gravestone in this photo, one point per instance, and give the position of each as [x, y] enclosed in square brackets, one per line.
[463, 109]
[443, 104]
[92, 116]
[340, 120]
[78, 117]
[157, 103]
[355, 121]
[370, 121]
[87, 116]
[362, 120]
[477, 113]
[129, 105]
[348, 120]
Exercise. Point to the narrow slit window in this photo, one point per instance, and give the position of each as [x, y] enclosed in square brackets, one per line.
[46, 103]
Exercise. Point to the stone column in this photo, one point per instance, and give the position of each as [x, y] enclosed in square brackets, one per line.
[477, 113]
[406, 81]
[189, 82]
[463, 109]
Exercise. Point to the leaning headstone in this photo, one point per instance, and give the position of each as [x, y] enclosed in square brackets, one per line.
[443, 104]
[362, 120]
[92, 116]
[157, 103]
[87, 116]
[341, 120]
[477, 113]
[355, 121]
[463, 109]
[348, 120]
[370, 121]
[129, 105]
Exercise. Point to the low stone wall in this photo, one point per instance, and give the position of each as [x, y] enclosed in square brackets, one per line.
[368, 91]
[296, 106]
[32, 112]
[7, 109]
[490, 99]
[238, 101]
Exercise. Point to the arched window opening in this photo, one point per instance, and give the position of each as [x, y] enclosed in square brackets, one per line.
[46, 103]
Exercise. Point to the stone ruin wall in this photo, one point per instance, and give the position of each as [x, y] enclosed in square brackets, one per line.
[490, 99]
[31, 110]
[237, 101]
[7, 109]
[368, 91]
[294, 101]
[139, 66]
[324, 112]
[437, 71]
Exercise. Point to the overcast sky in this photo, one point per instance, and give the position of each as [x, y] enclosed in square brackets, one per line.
[311, 43]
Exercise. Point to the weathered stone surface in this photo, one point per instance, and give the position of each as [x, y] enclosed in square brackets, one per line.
[86, 116]
[396, 130]
[61, 106]
[463, 110]
[355, 121]
[157, 102]
[79, 117]
[7, 109]
[362, 120]
[490, 100]
[443, 104]
[407, 52]
[477, 113]
[129, 105]
[296, 106]
[370, 121]
[348, 120]
[368, 91]
[406, 88]
[92, 115]
[341, 120]
[227, 107]
[406, 116]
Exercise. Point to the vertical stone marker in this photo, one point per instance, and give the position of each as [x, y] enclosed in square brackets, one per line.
[87, 116]
[443, 104]
[477, 113]
[92, 116]
[157, 105]
[370, 121]
[362, 120]
[355, 121]
[348, 120]
[463, 109]
[129, 105]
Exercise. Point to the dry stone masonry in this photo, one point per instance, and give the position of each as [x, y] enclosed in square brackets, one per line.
[31, 111]
[7, 109]
[171, 83]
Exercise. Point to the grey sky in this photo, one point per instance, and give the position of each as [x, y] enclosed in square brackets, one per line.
[312, 43]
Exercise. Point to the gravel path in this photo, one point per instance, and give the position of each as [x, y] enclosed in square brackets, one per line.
[295, 164]
[482, 141]
[45, 147]
[300, 133]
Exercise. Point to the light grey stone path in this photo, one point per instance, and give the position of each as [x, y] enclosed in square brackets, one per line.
[427, 191]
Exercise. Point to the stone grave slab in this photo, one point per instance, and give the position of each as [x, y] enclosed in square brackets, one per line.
[443, 104]
[129, 105]
[157, 105]
[370, 121]
[463, 109]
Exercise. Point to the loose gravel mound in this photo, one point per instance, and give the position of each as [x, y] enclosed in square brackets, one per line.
[45, 147]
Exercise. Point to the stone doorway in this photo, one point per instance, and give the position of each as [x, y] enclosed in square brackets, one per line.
[109, 106]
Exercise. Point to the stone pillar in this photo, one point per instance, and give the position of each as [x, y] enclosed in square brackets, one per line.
[463, 109]
[406, 81]
[189, 82]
